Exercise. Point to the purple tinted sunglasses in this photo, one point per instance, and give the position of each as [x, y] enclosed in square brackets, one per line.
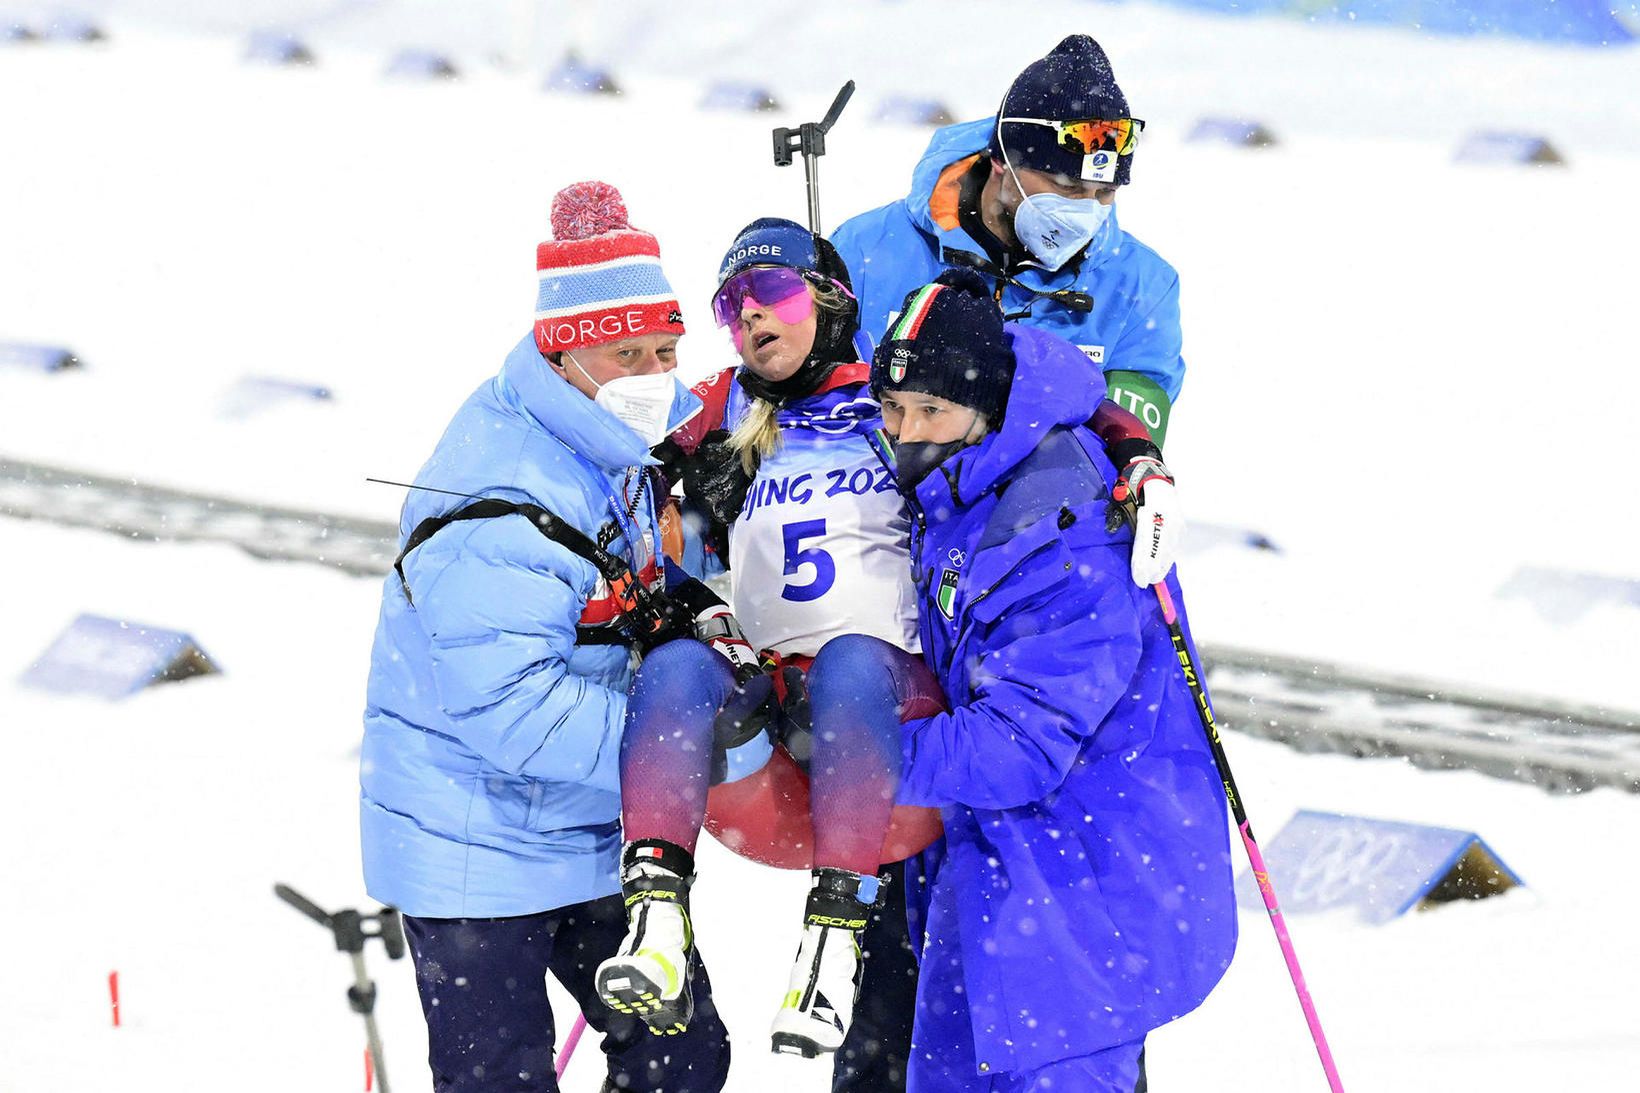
[781, 289]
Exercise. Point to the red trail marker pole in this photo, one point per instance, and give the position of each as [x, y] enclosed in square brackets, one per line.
[114, 996]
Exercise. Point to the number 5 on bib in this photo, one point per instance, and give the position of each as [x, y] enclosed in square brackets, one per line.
[797, 556]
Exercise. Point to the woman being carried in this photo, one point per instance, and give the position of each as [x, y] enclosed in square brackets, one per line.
[818, 541]
[818, 550]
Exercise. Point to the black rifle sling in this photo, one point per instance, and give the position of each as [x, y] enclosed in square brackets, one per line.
[640, 613]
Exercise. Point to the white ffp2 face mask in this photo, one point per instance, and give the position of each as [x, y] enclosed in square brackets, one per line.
[1053, 227]
[641, 403]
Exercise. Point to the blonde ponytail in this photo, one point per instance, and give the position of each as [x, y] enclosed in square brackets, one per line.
[757, 436]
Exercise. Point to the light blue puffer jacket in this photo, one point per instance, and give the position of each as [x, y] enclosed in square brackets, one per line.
[490, 766]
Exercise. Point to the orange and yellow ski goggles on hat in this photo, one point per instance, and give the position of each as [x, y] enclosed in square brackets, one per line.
[1085, 136]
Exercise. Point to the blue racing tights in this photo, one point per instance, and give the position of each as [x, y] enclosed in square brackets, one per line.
[858, 687]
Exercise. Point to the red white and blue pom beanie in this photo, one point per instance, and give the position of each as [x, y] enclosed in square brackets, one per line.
[600, 278]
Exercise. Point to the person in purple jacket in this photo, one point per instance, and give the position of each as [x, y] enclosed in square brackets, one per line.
[1083, 893]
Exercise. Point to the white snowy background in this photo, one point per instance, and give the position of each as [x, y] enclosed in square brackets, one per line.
[1415, 376]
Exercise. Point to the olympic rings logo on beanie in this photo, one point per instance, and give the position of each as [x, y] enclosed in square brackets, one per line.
[948, 342]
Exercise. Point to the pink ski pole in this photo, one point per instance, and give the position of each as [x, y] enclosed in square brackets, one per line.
[570, 1041]
[1261, 873]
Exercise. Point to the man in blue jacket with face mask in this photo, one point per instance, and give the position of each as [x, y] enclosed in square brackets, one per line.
[1028, 198]
[489, 774]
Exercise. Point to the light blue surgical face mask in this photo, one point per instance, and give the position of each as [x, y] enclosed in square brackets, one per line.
[1053, 227]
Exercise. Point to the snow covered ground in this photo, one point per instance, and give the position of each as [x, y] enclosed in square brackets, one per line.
[200, 795]
[1415, 377]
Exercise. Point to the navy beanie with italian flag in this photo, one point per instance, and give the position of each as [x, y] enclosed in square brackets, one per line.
[948, 342]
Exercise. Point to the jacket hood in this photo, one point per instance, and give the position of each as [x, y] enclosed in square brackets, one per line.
[529, 384]
[936, 183]
[1054, 384]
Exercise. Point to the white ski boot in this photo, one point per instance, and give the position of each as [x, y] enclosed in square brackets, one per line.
[819, 1004]
[649, 975]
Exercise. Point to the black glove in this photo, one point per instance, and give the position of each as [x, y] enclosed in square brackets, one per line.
[742, 724]
[655, 622]
[796, 721]
[714, 624]
[714, 479]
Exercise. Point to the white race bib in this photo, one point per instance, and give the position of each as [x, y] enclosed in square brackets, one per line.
[820, 549]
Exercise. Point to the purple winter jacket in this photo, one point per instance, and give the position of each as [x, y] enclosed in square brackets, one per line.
[1084, 894]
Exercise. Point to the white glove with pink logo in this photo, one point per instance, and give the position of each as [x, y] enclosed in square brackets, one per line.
[1150, 502]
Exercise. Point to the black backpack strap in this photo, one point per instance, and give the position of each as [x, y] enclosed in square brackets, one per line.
[644, 615]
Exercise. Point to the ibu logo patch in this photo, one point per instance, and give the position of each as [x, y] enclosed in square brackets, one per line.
[1099, 167]
[945, 599]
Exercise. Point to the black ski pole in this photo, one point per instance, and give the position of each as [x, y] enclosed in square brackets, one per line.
[809, 139]
[351, 930]
[1197, 685]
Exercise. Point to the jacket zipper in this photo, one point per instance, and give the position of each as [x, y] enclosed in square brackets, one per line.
[919, 531]
[1011, 571]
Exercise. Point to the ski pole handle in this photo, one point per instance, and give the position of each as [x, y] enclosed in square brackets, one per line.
[809, 138]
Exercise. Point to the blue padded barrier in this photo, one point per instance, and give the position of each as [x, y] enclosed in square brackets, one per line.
[277, 47]
[114, 658]
[1504, 147]
[897, 110]
[743, 97]
[69, 27]
[1199, 535]
[422, 64]
[1238, 131]
[1323, 861]
[252, 394]
[576, 77]
[37, 358]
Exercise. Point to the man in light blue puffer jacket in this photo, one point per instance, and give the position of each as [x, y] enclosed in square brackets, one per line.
[490, 807]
